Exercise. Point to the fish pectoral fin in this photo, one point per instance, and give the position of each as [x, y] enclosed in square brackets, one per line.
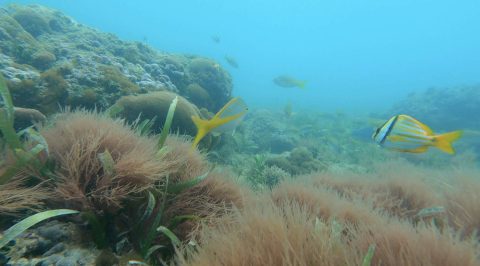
[226, 106]
[444, 141]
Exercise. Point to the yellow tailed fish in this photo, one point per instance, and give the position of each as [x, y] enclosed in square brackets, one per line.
[286, 81]
[404, 133]
[225, 120]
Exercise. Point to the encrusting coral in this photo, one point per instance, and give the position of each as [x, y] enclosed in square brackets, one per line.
[211, 77]
[36, 39]
[155, 105]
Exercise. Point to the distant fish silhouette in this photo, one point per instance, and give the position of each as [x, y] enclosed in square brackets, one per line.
[286, 81]
[215, 38]
[231, 61]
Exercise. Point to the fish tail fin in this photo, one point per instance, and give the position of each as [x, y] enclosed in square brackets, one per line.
[444, 141]
[202, 129]
[301, 84]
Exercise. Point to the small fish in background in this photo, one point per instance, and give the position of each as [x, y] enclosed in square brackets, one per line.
[288, 110]
[215, 38]
[231, 61]
[225, 120]
[404, 133]
[286, 81]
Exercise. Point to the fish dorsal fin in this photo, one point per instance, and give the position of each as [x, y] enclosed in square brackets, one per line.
[234, 106]
[230, 116]
[415, 123]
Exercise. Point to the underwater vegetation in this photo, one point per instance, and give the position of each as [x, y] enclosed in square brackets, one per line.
[49, 61]
[298, 144]
[100, 165]
[110, 171]
[330, 219]
[154, 106]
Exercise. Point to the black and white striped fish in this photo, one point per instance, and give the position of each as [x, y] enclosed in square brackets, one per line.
[404, 133]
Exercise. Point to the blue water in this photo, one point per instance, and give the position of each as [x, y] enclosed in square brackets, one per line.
[355, 55]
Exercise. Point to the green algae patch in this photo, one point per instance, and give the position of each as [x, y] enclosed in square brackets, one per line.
[157, 104]
[115, 82]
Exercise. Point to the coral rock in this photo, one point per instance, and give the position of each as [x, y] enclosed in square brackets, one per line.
[156, 104]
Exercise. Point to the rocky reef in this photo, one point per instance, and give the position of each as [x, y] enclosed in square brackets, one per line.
[270, 145]
[446, 109]
[443, 108]
[51, 61]
[98, 185]
[123, 184]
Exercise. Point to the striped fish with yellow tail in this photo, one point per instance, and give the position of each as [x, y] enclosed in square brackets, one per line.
[404, 133]
[227, 119]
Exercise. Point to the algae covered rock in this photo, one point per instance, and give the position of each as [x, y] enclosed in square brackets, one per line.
[15, 41]
[269, 132]
[155, 105]
[43, 59]
[114, 81]
[45, 92]
[32, 20]
[299, 161]
[199, 96]
[102, 68]
[443, 108]
[53, 243]
[25, 117]
[210, 76]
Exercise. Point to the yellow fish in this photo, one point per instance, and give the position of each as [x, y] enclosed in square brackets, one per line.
[286, 81]
[406, 134]
[224, 120]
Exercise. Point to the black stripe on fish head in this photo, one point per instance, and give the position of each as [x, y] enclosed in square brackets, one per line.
[389, 130]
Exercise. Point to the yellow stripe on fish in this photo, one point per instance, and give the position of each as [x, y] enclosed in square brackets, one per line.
[404, 133]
